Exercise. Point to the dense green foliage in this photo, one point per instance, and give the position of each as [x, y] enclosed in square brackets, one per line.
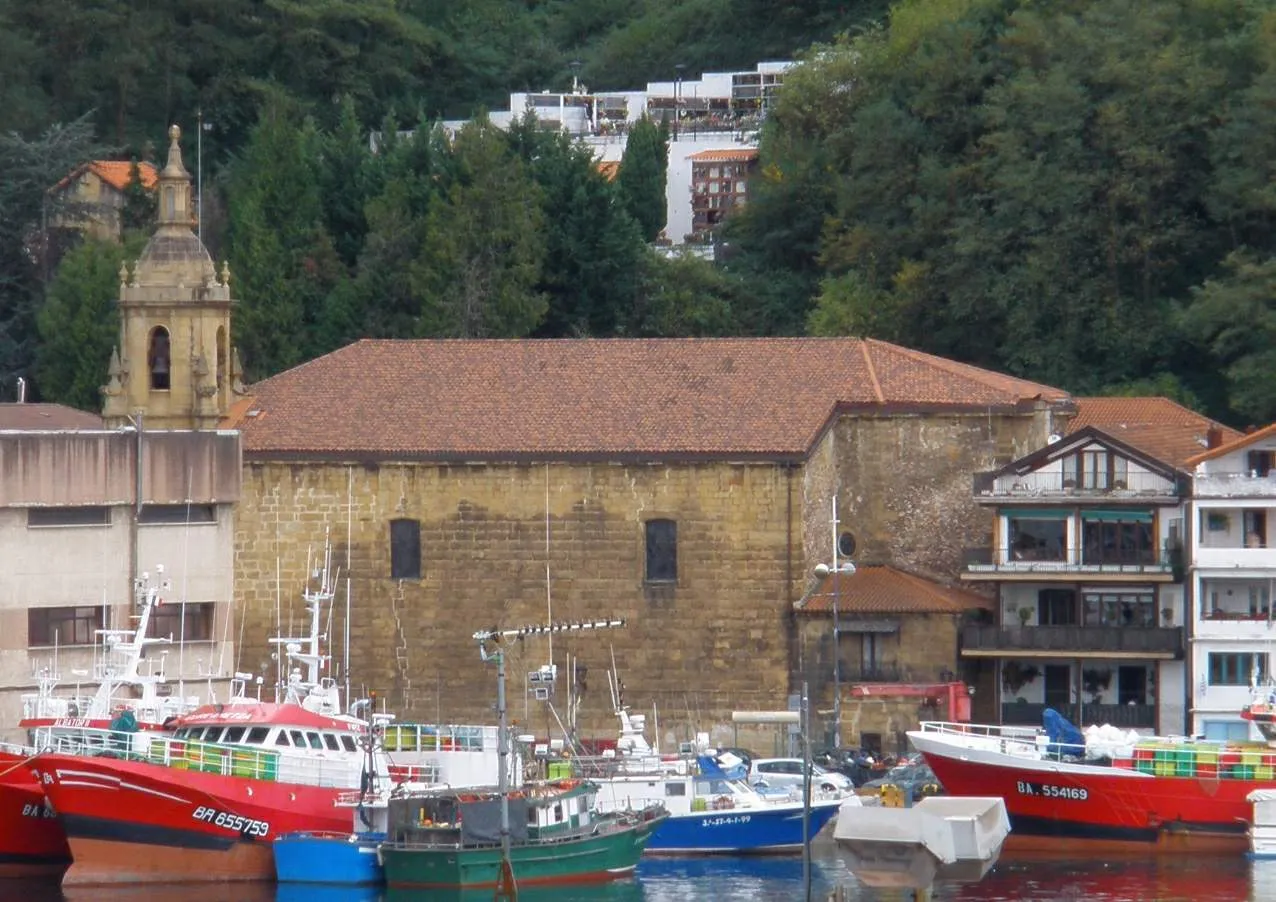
[1080, 193]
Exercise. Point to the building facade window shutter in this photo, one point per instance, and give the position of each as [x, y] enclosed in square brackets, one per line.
[405, 549]
[662, 551]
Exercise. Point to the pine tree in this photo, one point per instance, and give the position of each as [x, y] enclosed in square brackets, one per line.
[78, 325]
[280, 251]
[138, 214]
[643, 174]
[484, 245]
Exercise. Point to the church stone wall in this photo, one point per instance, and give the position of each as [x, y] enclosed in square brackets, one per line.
[715, 641]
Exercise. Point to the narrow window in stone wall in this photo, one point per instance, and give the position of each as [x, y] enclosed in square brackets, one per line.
[662, 551]
[405, 549]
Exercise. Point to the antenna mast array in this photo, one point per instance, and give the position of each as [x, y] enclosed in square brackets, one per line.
[506, 887]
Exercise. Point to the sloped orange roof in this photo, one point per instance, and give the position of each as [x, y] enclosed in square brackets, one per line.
[885, 590]
[608, 168]
[1242, 440]
[115, 173]
[46, 416]
[743, 155]
[1159, 427]
[470, 399]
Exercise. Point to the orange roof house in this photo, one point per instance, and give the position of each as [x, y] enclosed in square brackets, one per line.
[94, 195]
[1156, 426]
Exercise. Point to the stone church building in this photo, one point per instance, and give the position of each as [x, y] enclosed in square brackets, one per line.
[682, 485]
[685, 486]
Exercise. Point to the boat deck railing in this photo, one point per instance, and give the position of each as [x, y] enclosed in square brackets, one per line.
[1025, 742]
[230, 760]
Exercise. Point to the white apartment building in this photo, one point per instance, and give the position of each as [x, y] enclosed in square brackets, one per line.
[1231, 579]
[74, 537]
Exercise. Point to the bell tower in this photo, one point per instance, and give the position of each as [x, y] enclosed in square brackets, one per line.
[174, 362]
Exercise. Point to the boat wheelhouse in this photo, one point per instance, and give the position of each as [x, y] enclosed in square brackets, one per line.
[448, 839]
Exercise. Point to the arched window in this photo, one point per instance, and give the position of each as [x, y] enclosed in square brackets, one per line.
[159, 360]
[221, 357]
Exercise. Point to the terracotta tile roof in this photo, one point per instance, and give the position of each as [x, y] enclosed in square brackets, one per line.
[743, 155]
[1158, 427]
[608, 168]
[46, 416]
[761, 397]
[115, 173]
[885, 590]
[1236, 442]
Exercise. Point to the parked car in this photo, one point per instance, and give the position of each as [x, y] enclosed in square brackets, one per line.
[913, 775]
[785, 773]
[858, 764]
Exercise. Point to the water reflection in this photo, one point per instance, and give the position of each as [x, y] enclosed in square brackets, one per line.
[1014, 879]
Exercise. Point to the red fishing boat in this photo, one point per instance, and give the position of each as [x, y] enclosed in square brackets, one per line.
[1065, 796]
[128, 692]
[205, 801]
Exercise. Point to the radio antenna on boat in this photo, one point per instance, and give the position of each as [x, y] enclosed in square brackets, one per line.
[506, 888]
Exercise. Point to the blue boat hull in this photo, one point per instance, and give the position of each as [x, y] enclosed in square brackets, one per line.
[338, 860]
[738, 832]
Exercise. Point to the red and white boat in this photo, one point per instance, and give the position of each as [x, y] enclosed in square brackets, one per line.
[205, 801]
[32, 841]
[1168, 794]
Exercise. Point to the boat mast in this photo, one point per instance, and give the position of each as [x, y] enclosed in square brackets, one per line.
[506, 888]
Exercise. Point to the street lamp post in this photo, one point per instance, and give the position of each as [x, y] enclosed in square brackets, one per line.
[823, 570]
[677, 101]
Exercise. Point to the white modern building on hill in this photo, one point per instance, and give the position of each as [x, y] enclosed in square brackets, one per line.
[719, 111]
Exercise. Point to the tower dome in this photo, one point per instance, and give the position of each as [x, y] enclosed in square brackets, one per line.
[174, 255]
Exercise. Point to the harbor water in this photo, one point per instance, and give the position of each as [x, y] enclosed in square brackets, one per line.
[1013, 879]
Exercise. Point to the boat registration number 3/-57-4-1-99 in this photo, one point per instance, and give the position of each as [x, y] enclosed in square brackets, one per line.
[1050, 791]
[244, 826]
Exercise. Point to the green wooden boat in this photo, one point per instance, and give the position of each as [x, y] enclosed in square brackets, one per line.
[451, 839]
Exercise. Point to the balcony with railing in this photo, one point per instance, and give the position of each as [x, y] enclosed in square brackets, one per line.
[1127, 717]
[1036, 563]
[1057, 485]
[1248, 484]
[1152, 641]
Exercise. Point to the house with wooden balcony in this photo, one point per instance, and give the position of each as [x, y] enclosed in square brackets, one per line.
[1086, 561]
[1231, 551]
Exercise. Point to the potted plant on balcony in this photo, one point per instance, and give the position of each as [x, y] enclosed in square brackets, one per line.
[1025, 614]
[1094, 681]
[1167, 616]
[1014, 676]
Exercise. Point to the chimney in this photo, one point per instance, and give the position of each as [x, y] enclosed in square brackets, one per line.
[1213, 437]
[1251, 429]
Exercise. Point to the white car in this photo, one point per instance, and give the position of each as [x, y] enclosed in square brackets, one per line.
[786, 773]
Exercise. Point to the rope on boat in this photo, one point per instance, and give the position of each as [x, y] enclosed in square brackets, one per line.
[23, 763]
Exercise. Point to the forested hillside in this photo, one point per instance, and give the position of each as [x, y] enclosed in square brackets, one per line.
[1080, 193]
